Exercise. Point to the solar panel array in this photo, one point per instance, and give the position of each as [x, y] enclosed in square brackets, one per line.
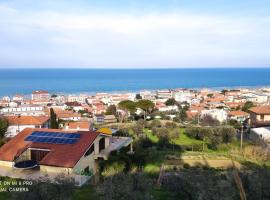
[53, 137]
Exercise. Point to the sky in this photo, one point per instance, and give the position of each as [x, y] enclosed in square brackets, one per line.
[134, 33]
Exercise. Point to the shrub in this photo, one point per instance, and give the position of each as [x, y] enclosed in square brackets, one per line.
[155, 124]
[170, 125]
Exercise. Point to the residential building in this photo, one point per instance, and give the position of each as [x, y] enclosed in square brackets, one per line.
[53, 152]
[78, 126]
[239, 115]
[19, 123]
[164, 94]
[24, 110]
[110, 119]
[260, 116]
[40, 95]
[219, 114]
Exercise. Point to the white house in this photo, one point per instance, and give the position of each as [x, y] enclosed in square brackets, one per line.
[219, 114]
[19, 123]
[24, 110]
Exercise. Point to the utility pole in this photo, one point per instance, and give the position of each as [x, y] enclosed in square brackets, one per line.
[241, 142]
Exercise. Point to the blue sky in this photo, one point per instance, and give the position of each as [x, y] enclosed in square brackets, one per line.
[134, 33]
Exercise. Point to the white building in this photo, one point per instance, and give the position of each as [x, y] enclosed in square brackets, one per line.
[24, 110]
[219, 114]
[183, 96]
[40, 95]
[19, 123]
[164, 94]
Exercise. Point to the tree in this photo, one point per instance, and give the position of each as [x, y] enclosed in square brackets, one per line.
[224, 91]
[247, 106]
[126, 186]
[163, 136]
[142, 123]
[3, 127]
[183, 113]
[127, 105]
[234, 123]
[46, 189]
[208, 120]
[111, 110]
[171, 102]
[170, 125]
[146, 105]
[228, 134]
[53, 119]
[173, 135]
[138, 129]
[210, 95]
[138, 96]
[54, 95]
[155, 124]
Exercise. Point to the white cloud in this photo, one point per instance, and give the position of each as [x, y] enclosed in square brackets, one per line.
[123, 40]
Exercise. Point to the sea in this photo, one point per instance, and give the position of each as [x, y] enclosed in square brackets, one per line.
[90, 81]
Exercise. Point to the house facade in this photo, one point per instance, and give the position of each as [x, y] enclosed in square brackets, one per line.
[260, 116]
[19, 123]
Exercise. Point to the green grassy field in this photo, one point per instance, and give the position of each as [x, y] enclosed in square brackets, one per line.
[183, 139]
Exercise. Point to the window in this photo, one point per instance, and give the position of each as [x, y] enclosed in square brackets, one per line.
[90, 150]
[87, 170]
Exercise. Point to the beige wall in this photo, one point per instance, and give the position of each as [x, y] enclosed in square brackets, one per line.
[26, 155]
[51, 169]
[6, 163]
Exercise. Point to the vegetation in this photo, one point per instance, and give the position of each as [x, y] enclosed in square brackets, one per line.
[247, 106]
[133, 186]
[146, 105]
[171, 102]
[208, 120]
[53, 120]
[111, 110]
[44, 188]
[3, 127]
[138, 96]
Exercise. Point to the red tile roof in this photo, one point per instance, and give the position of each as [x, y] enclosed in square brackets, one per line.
[60, 155]
[80, 125]
[238, 113]
[27, 120]
[260, 110]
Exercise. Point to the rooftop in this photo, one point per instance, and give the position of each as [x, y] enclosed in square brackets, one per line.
[60, 155]
[27, 120]
[260, 110]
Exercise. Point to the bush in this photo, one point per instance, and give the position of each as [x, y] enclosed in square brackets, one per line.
[170, 125]
[113, 169]
[155, 124]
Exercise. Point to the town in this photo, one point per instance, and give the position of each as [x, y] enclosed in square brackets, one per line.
[77, 135]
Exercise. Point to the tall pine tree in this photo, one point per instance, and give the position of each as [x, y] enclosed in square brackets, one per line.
[54, 123]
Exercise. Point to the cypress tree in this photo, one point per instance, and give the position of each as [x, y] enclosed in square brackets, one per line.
[53, 118]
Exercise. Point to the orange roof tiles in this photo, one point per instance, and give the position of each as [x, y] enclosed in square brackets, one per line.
[238, 113]
[260, 110]
[27, 120]
[80, 125]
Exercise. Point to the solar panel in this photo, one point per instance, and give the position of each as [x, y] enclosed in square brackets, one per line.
[53, 137]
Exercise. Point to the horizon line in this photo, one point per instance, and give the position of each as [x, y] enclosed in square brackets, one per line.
[134, 68]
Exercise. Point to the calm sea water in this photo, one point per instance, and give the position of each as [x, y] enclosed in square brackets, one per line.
[24, 81]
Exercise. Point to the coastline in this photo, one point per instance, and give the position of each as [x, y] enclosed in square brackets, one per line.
[90, 81]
